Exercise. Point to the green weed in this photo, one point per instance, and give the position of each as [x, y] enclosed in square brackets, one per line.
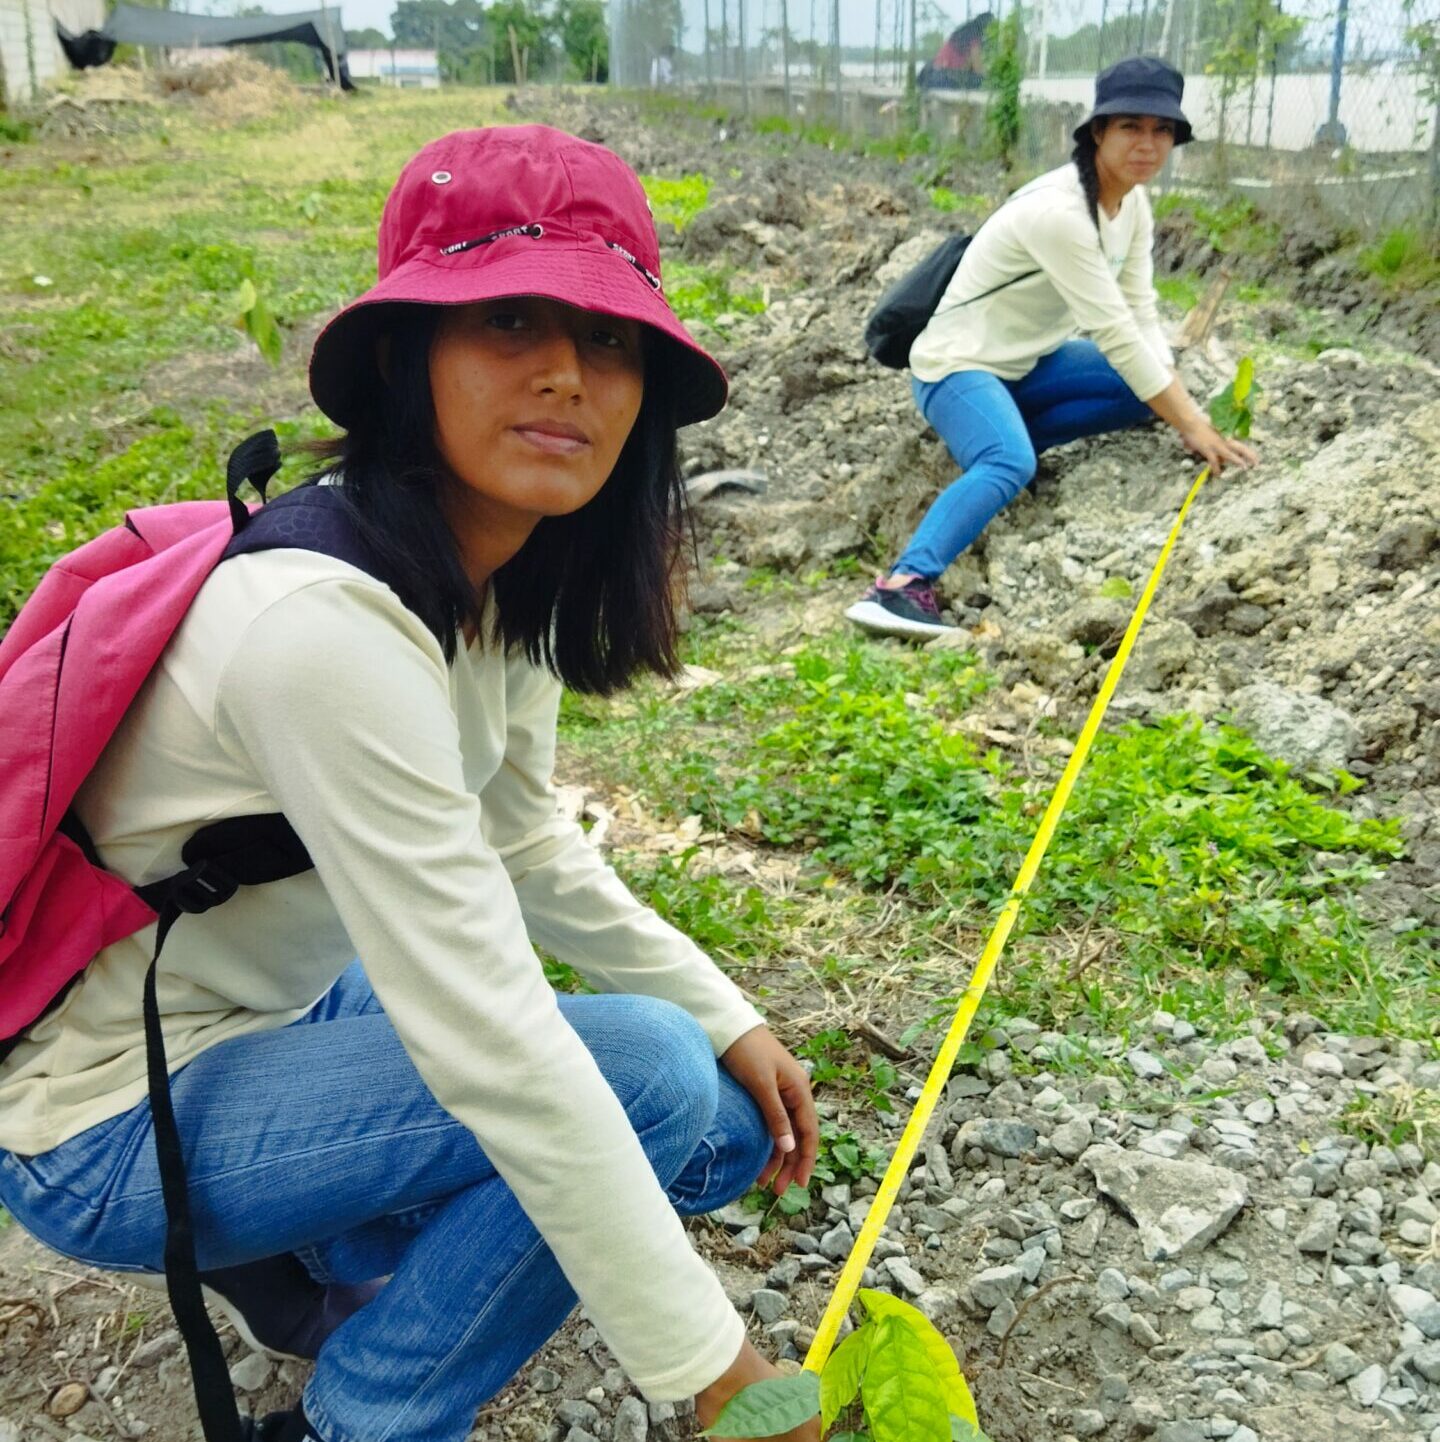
[703, 293]
[677, 202]
[1402, 259]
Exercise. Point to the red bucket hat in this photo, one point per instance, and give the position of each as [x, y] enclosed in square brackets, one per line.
[509, 211]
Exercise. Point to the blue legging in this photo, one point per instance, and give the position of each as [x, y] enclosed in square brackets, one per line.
[994, 430]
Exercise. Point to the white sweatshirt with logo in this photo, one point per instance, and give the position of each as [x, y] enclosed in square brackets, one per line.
[1094, 283]
[423, 793]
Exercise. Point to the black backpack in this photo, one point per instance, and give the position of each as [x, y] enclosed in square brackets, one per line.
[907, 307]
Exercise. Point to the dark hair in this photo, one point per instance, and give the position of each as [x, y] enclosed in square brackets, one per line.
[1084, 157]
[591, 595]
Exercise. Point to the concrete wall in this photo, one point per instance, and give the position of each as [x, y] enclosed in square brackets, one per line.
[30, 54]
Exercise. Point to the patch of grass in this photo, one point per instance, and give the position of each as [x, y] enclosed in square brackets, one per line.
[1233, 226]
[947, 201]
[1400, 1114]
[677, 201]
[1191, 856]
[14, 130]
[733, 924]
[1181, 291]
[1403, 259]
[837, 1060]
[703, 293]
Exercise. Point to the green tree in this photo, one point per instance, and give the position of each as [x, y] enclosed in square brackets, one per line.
[523, 32]
[368, 38]
[457, 30]
[585, 37]
[1003, 73]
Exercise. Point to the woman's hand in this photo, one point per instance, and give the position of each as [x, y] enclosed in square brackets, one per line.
[748, 1367]
[782, 1092]
[1217, 451]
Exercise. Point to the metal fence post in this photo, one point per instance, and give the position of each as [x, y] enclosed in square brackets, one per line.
[1332, 132]
[740, 56]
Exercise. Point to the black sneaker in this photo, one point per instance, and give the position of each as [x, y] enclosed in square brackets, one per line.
[275, 1305]
[909, 610]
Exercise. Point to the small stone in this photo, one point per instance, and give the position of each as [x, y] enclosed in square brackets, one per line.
[995, 1285]
[1179, 1206]
[1184, 1431]
[1071, 1138]
[1087, 1422]
[545, 1379]
[252, 1373]
[1115, 1315]
[1321, 1229]
[837, 1242]
[1164, 1144]
[1365, 1387]
[1146, 1065]
[632, 1421]
[767, 1305]
[1341, 1363]
[905, 1276]
[153, 1352]
[1277, 1218]
[1322, 1064]
[1261, 1113]
[1111, 1285]
[1418, 1307]
[997, 1138]
[68, 1399]
[1209, 1321]
[1427, 1361]
[1002, 1318]
[1077, 1209]
[574, 1412]
[1142, 1331]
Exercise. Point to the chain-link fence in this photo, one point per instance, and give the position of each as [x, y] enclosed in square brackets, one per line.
[1334, 103]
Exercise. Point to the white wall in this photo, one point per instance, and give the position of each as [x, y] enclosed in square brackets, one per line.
[30, 54]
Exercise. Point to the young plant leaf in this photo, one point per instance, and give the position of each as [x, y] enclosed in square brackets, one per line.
[1230, 411]
[1244, 380]
[840, 1379]
[962, 1431]
[939, 1352]
[765, 1409]
[850, 1437]
[904, 1397]
[257, 320]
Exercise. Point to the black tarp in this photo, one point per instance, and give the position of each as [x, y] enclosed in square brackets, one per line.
[136, 25]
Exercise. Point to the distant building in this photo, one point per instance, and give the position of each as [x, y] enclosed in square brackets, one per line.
[409, 69]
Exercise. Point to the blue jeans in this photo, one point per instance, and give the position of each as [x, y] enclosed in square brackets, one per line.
[320, 1138]
[994, 430]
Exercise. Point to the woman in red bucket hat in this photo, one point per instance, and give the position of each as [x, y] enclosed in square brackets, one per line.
[431, 1113]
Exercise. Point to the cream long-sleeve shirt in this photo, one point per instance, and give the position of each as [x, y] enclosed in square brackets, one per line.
[1099, 284]
[422, 792]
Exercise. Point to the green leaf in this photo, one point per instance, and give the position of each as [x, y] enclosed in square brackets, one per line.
[962, 1431]
[245, 297]
[1116, 588]
[840, 1379]
[765, 1409]
[1244, 379]
[904, 1396]
[260, 325]
[940, 1353]
[851, 1437]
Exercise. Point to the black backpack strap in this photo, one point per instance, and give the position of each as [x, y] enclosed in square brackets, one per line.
[220, 858]
[255, 459]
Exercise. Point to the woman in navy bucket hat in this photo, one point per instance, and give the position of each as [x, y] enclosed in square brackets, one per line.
[1001, 371]
[415, 1162]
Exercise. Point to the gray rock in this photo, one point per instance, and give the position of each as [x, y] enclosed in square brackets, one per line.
[579, 1434]
[1111, 1286]
[545, 1379]
[1071, 1138]
[252, 1373]
[1341, 1363]
[1261, 1112]
[153, 1352]
[767, 1305]
[1321, 1063]
[1307, 731]
[1164, 647]
[1427, 1361]
[910, 1282]
[998, 1138]
[1087, 1422]
[1321, 1229]
[1365, 1387]
[1179, 1206]
[1184, 1431]
[632, 1421]
[1418, 1307]
[1146, 1065]
[1164, 1143]
[575, 1412]
[995, 1285]
[837, 1242]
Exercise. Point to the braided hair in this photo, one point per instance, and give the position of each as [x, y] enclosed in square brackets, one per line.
[1084, 157]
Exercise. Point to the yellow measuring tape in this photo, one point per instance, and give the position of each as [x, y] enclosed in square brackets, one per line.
[899, 1167]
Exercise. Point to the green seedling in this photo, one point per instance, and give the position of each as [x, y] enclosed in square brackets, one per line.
[258, 321]
[893, 1379]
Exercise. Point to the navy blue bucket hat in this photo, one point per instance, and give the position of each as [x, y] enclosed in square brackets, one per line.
[1140, 85]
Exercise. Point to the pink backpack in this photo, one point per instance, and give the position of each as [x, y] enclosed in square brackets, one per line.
[70, 665]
